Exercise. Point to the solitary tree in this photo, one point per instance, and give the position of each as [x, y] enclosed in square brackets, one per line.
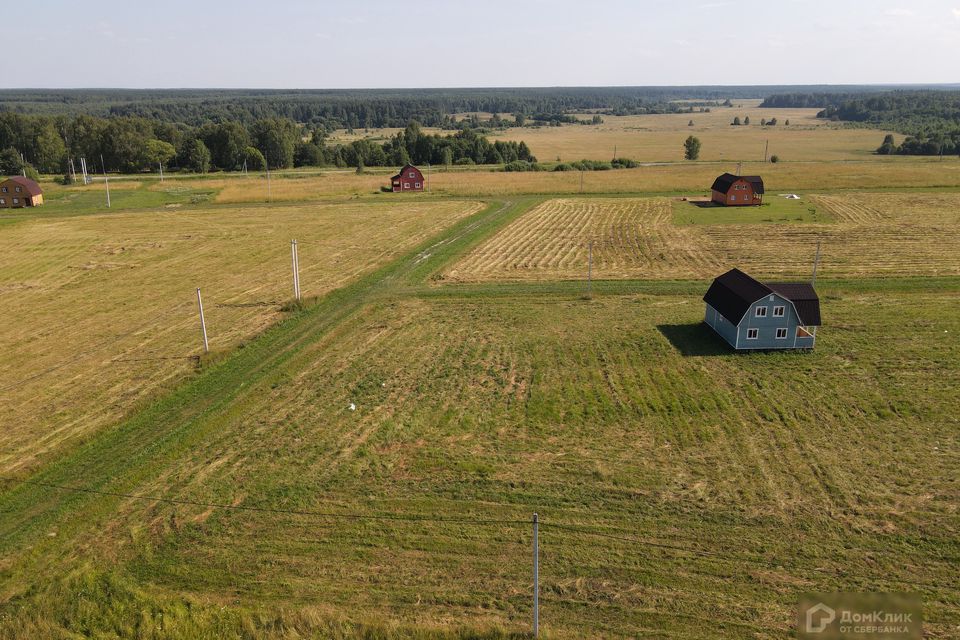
[690, 124]
[746, 120]
[197, 157]
[763, 122]
[691, 148]
[786, 123]
[360, 166]
[736, 121]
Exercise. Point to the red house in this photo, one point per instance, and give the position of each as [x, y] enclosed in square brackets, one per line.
[409, 179]
[738, 191]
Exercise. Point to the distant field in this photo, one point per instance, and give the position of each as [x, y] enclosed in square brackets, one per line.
[659, 137]
[874, 235]
[101, 310]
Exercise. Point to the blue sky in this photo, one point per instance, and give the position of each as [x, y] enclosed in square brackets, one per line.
[432, 43]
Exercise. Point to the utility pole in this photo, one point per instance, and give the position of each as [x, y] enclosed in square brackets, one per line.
[614, 152]
[536, 577]
[428, 177]
[590, 269]
[268, 181]
[295, 258]
[161, 171]
[203, 323]
[766, 148]
[581, 181]
[739, 168]
[816, 262]
[106, 180]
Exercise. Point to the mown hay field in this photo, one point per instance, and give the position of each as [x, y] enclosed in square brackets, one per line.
[659, 137]
[719, 487]
[686, 178]
[99, 311]
[873, 234]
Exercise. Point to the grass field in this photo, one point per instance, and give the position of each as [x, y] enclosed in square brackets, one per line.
[367, 465]
[103, 309]
[659, 138]
[872, 235]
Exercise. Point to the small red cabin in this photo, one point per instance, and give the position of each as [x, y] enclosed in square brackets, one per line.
[738, 191]
[20, 192]
[409, 179]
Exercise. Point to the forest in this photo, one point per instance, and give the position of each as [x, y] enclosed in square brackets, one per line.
[132, 144]
[929, 118]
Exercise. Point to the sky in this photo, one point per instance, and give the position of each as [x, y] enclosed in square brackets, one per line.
[492, 43]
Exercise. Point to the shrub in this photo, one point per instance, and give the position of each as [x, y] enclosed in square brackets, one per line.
[774, 158]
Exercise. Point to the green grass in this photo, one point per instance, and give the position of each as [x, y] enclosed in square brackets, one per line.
[775, 209]
[92, 199]
[718, 487]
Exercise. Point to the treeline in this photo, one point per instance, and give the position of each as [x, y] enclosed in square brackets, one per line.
[374, 108]
[129, 145]
[930, 119]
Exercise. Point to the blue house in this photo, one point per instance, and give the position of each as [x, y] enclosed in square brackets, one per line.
[752, 315]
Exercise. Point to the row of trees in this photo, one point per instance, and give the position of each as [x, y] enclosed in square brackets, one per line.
[132, 144]
[933, 145]
[772, 122]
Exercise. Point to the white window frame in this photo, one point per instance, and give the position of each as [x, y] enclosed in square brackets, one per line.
[755, 332]
[416, 185]
[406, 185]
[760, 312]
[778, 311]
[16, 201]
[18, 189]
[413, 175]
[733, 198]
[782, 330]
[5, 190]
[3, 201]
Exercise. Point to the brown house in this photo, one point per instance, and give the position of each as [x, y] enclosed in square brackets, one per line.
[18, 192]
[409, 179]
[738, 191]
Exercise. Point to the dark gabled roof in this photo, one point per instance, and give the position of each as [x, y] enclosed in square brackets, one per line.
[724, 182]
[403, 170]
[732, 294]
[29, 185]
[803, 297]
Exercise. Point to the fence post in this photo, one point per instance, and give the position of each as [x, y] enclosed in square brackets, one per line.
[536, 577]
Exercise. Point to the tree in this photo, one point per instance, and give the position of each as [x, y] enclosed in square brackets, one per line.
[156, 152]
[10, 163]
[360, 166]
[690, 124]
[736, 121]
[48, 151]
[889, 146]
[226, 142]
[197, 156]
[786, 123]
[691, 148]
[774, 158]
[276, 139]
[746, 120]
[519, 119]
[447, 156]
[253, 159]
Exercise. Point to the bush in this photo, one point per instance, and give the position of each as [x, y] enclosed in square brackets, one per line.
[624, 163]
[522, 165]
[464, 161]
[774, 158]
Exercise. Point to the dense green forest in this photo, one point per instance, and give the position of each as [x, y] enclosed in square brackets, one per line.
[930, 119]
[371, 108]
[132, 144]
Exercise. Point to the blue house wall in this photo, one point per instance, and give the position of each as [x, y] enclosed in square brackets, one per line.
[766, 326]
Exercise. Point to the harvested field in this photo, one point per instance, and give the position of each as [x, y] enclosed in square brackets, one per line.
[100, 311]
[875, 235]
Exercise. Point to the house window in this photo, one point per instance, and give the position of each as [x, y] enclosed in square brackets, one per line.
[413, 175]
[778, 312]
[4, 189]
[406, 185]
[417, 185]
[16, 201]
[3, 201]
[733, 198]
[18, 189]
[761, 312]
[753, 334]
[782, 333]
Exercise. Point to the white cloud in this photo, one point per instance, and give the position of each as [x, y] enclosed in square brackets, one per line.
[899, 13]
[956, 13]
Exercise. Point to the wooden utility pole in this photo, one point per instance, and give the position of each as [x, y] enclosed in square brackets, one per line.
[203, 323]
[816, 262]
[590, 269]
[536, 577]
[581, 181]
[766, 148]
[295, 258]
[161, 171]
